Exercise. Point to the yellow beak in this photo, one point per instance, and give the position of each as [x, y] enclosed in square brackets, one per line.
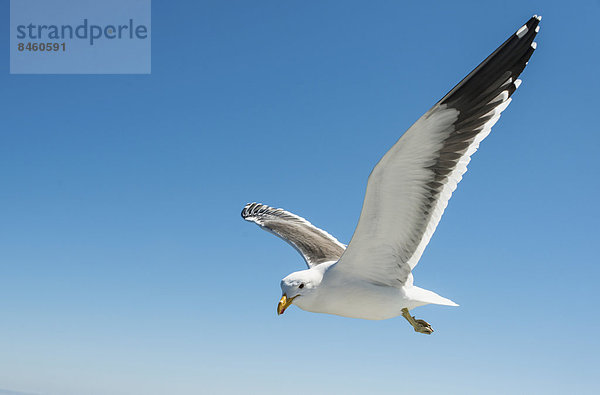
[284, 302]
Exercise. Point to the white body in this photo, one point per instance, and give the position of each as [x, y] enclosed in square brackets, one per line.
[334, 293]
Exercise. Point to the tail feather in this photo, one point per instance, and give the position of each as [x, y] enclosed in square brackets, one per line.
[429, 297]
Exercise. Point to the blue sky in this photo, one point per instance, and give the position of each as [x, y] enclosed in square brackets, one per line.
[126, 268]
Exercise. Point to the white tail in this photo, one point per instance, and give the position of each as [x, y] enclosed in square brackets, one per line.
[429, 297]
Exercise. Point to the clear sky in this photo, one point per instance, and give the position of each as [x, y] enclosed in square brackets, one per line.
[125, 267]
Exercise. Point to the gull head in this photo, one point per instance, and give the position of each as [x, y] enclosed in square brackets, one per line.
[298, 285]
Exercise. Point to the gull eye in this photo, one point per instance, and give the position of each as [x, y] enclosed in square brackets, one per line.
[301, 286]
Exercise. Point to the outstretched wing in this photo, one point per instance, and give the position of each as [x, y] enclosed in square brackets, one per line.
[315, 245]
[409, 188]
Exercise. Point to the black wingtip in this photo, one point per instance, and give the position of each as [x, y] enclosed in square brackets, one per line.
[488, 79]
[253, 209]
[248, 209]
[530, 25]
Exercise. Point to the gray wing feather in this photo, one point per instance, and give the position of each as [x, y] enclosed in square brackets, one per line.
[315, 245]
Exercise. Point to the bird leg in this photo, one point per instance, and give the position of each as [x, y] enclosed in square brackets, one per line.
[420, 326]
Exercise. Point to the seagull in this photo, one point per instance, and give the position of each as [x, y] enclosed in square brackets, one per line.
[406, 194]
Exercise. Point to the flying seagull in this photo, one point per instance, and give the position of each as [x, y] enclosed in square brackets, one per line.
[406, 195]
